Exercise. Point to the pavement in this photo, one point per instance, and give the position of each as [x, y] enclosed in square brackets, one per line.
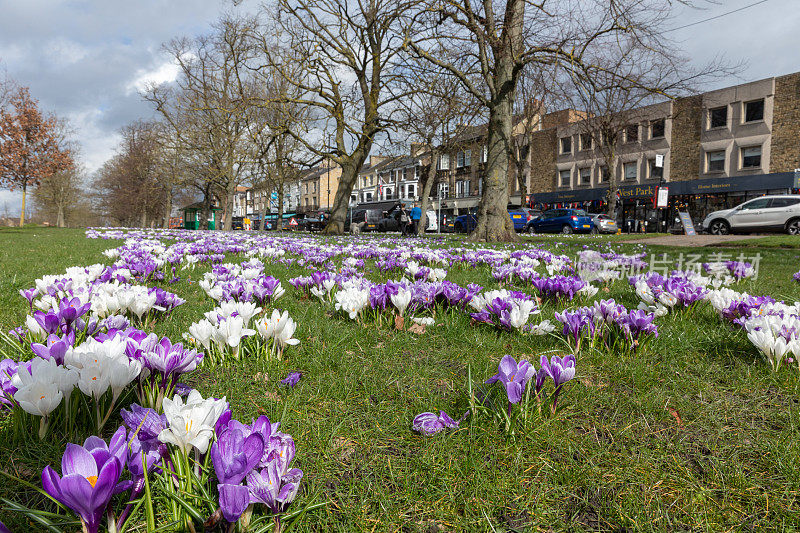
[693, 241]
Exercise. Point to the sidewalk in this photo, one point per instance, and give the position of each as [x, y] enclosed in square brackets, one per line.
[693, 240]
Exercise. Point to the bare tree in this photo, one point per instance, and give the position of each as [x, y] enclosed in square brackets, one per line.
[208, 105]
[347, 51]
[613, 89]
[432, 114]
[502, 38]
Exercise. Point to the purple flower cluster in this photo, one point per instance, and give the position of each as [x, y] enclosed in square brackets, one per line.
[608, 322]
[558, 287]
[259, 454]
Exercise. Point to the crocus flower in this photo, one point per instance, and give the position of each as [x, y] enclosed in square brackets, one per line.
[560, 370]
[272, 489]
[235, 453]
[90, 477]
[513, 376]
[233, 500]
[431, 423]
[292, 379]
[191, 424]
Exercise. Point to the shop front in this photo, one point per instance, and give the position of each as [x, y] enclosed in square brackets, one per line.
[635, 211]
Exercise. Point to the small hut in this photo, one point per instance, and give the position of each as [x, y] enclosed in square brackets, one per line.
[192, 213]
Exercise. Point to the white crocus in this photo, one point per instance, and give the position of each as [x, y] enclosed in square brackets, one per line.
[231, 330]
[202, 332]
[423, 321]
[542, 328]
[191, 424]
[285, 335]
[401, 300]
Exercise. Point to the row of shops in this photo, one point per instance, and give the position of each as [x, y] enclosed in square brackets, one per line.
[635, 206]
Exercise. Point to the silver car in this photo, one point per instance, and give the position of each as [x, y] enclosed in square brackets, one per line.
[604, 223]
[768, 213]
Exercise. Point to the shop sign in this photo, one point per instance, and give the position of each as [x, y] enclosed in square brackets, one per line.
[688, 225]
[662, 197]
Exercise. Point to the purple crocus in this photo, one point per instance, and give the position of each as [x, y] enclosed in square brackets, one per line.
[90, 476]
[560, 370]
[430, 423]
[235, 453]
[55, 348]
[8, 368]
[4, 529]
[513, 376]
[233, 501]
[292, 379]
[274, 490]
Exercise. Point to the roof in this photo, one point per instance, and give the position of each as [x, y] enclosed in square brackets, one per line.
[199, 206]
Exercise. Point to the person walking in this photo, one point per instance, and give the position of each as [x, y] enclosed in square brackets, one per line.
[404, 221]
[416, 214]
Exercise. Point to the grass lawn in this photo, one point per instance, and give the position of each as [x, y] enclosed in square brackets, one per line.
[695, 433]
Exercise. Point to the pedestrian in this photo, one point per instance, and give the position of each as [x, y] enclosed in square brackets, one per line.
[404, 221]
[416, 214]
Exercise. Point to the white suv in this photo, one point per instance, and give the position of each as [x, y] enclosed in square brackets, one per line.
[767, 213]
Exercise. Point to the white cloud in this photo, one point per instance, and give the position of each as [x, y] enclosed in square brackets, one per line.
[166, 72]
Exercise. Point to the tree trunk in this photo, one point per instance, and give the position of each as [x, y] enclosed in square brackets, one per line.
[522, 183]
[613, 186]
[494, 224]
[60, 217]
[167, 210]
[229, 209]
[204, 213]
[426, 191]
[341, 201]
[22, 211]
[143, 218]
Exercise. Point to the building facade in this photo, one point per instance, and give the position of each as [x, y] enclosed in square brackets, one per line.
[719, 149]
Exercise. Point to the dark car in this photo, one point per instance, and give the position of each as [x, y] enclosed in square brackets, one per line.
[447, 223]
[237, 223]
[561, 221]
[519, 217]
[363, 219]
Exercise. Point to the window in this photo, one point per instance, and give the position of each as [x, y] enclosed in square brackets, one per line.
[462, 189]
[305, 188]
[784, 202]
[630, 170]
[411, 190]
[467, 158]
[564, 177]
[586, 141]
[759, 203]
[444, 162]
[416, 172]
[715, 161]
[657, 128]
[405, 173]
[444, 190]
[484, 154]
[654, 172]
[751, 157]
[718, 117]
[604, 176]
[314, 186]
[754, 111]
[460, 159]
[586, 176]
[566, 145]
[632, 134]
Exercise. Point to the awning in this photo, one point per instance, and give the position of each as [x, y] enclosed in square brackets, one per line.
[759, 182]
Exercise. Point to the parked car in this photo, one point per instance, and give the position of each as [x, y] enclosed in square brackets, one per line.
[447, 223]
[317, 221]
[520, 217]
[604, 223]
[363, 220]
[561, 221]
[768, 213]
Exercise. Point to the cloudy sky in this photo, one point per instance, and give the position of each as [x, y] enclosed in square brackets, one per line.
[86, 59]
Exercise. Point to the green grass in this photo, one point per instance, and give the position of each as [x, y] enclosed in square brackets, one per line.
[772, 241]
[695, 433]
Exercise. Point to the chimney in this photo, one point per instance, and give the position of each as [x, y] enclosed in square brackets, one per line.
[376, 159]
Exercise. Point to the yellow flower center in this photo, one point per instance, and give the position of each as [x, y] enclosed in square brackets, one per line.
[189, 425]
[92, 480]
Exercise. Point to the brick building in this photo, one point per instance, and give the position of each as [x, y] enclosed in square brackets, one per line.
[719, 149]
